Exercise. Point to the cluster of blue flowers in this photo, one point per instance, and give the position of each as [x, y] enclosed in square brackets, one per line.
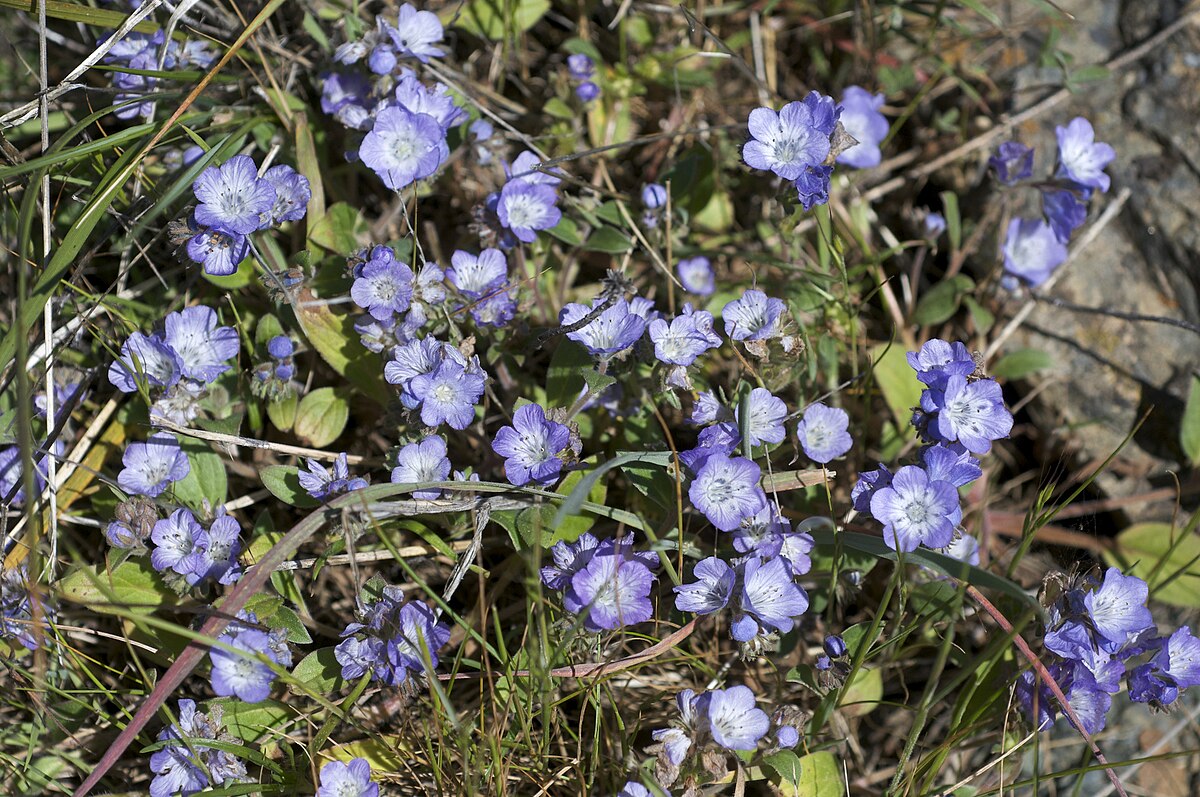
[233, 202]
[394, 639]
[142, 51]
[961, 413]
[605, 581]
[1099, 633]
[1034, 248]
[273, 378]
[185, 765]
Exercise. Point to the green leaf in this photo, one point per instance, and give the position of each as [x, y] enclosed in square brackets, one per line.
[820, 776]
[499, 19]
[862, 695]
[717, 215]
[322, 416]
[284, 484]
[206, 481]
[566, 231]
[597, 382]
[564, 379]
[286, 618]
[1189, 430]
[609, 240]
[1021, 363]
[320, 672]
[953, 219]
[268, 327]
[1142, 547]
[898, 383]
[342, 230]
[333, 336]
[558, 109]
[250, 721]
[982, 317]
[283, 412]
[132, 585]
[78, 12]
[941, 302]
[787, 766]
[578, 495]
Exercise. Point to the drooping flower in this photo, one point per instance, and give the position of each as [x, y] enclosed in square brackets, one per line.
[1032, 251]
[869, 482]
[202, 347]
[916, 511]
[727, 490]
[611, 332]
[786, 142]
[823, 433]
[404, 147]
[415, 97]
[722, 438]
[1013, 161]
[176, 768]
[233, 198]
[950, 463]
[654, 196]
[755, 316]
[350, 779]
[709, 409]
[151, 467]
[531, 447]
[218, 251]
[17, 616]
[322, 485]
[862, 120]
[696, 275]
[1065, 211]
[1080, 158]
[812, 186]
[425, 461]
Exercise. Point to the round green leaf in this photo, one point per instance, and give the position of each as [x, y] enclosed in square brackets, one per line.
[321, 416]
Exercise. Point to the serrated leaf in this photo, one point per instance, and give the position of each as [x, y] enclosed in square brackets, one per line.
[1142, 547]
[1189, 429]
[132, 585]
[284, 483]
[206, 481]
[320, 672]
[321, 416]
[1021, 363]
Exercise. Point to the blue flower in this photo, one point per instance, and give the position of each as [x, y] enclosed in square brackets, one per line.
[415, 97]
[214, 552]
[972, 413]
[933, 225]
[696, 275]
[723, 438]
[823, 433]
[613, 331]
[916, 511]
[755, 316]
[712, 590]
[938, 360]
[352, 779]
[292, 193]
[145, 357]
[174, 540]
[1080, 158]
[869, 482]
[17, 616]
[812, 186]
[1032, 251]
[476, 275]
[531, 447]
[1065, 211]
[233, 198]
[177, 765]
[218, 251]
[587, 91]
[404, 147]
[415, 33]
[611, 590]
[767, 413]
[525, 207]
[449, 395]
[727, 490]
[950, 463]
[383, 285]
[580, 66]
[787, 142]
[1118, 609]
[1013, 161]
[734, 719]
[768, 599]
[709, 409]
[322, 485]
[150, 467]
[685, 338]
[425, 461]
[239, 672]
[202, 347]
[862, 120]
[409, 361]
[654, 196]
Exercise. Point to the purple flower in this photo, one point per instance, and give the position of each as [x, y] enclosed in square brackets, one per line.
[709, 409]
[214, 553]
[358, 656]
[232, 197]
[634, 789]
[938, 360]
[1013, 161]
[613, 331]
[723, 438]
[654, 196]
[1065, 211]
[477, 275]
[425, 461]
[1032, 251]
[175, 765]
[696, 275]
[945, 464]
[862, 120]
[916, 511]
[964, 548]
[727, 490]
[568, 558]
[734, 719]
[527, 168]
[1118, 609]
[1080, 158]
[16, 609]
[712, 589]
[613, 588]
[404, 147]
[281, 347]
[150, 467]
[685, 338]
[201, 345]
[219, 252]
[812, 186]
[787, 142]
[933, 225]
[147, 357]
[448, 395]
[587, 91]
[174, 540]
[322, 485]
[869, 482]
[384, 285]
[768, 599]
[342, 89]
[292, 193]
[397, 638]
[531, 447]
[415, 33]
[823, 433]
[972, 413]
[752, 317]
[415, 97]
[1180, 658]
[351, 779]
[767, 413]
[580, 66]
[239, 672]
[525, 207]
